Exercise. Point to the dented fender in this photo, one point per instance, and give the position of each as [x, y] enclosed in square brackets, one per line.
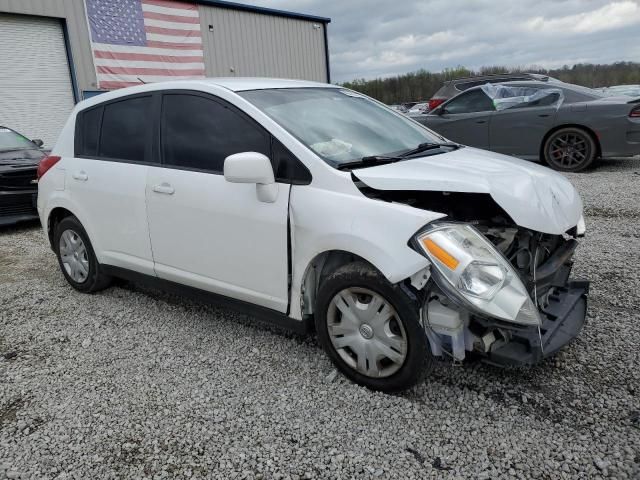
[379, 232]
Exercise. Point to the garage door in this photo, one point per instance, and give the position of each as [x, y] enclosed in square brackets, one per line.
[35, 86]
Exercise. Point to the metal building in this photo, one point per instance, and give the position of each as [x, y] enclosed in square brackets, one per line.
[47, 63]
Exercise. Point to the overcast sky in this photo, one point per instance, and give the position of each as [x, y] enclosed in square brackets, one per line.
[374, 38]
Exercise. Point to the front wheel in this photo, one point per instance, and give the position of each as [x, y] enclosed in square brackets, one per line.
[570, 150]
[371, 330]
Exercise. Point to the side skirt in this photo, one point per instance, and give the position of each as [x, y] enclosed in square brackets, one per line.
[263, 314]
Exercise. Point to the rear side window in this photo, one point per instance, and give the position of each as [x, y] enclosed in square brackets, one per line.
[88, 132]
[125, 128]
[470, 102]
[199, 133]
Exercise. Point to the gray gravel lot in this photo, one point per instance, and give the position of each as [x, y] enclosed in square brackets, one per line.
[137, 384]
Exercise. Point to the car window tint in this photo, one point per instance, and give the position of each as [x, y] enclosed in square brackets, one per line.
[470, 102]
[90, 131]
[125, 125]
[200, 133]
[287, 167]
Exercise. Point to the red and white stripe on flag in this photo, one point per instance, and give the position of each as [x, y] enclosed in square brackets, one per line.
[170, 47]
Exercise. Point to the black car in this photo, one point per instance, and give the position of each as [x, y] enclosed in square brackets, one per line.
[19, 158]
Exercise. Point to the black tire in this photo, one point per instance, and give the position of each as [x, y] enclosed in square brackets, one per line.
[418, 360]
[570, 149]
[95, 279]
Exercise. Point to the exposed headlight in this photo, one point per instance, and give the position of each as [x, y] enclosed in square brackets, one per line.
[477, 273]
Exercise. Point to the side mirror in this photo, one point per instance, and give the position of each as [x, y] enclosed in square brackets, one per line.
[38, 142]
[252, 167]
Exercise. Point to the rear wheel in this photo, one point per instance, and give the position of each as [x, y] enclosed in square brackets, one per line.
[370, 329]
[76, 257]
[570, 150]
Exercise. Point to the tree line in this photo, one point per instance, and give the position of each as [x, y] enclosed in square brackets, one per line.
[421, 85]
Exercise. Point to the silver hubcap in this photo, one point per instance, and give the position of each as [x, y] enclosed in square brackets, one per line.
[73, 254]
[366, 332]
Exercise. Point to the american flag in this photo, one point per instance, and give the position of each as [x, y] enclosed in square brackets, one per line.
[143, 41]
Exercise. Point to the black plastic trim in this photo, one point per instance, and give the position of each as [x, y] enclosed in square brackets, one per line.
[264, 314]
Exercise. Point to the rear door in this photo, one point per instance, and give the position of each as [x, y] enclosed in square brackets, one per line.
[206, 232]
[107, 176]
[519, 130]
[464, 119]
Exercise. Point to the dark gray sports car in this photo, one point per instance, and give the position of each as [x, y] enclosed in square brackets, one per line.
[19, 158]
[567, 126]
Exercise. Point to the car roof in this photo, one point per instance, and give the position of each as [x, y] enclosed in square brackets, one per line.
[235, 84]
[496, 75]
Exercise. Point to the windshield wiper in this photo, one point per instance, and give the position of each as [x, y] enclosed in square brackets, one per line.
[423, 147]
[369, 161]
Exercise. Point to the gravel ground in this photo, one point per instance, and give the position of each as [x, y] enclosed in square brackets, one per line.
[137, 384]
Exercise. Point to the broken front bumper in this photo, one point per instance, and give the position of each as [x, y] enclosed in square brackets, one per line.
[562, 321]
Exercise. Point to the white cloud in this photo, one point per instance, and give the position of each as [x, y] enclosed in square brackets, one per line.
[372, 38]
[609, 17]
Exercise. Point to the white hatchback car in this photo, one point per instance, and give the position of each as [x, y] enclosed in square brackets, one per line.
[313, 205]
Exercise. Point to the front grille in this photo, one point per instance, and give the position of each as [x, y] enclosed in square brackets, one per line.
[17, 204]
[18, 179]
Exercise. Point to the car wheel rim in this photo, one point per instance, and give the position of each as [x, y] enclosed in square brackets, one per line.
[569, 150]
[74, 256]
[366, 332]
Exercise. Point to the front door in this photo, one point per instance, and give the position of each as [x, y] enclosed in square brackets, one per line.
[206, 232]
[465, 119]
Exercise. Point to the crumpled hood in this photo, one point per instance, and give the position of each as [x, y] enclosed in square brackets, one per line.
[534, 196]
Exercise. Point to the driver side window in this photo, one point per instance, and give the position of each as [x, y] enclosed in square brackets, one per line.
[470, 102]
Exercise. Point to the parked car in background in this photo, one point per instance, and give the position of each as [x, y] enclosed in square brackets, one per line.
[409, 105]
[618, 90]
[399, 108]
[305, 202]
[453, 87]
[19, 158]
[567, 126]
[419, 109]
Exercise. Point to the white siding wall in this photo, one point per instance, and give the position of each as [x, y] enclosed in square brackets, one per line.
[257, 45]
[253, 44]
[73, 12]
[35, 86]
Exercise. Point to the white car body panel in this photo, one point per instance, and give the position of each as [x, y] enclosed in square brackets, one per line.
[534, 196]
[217, 236]
[324, 220]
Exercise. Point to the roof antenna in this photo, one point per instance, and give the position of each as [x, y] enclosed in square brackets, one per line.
[141, 81]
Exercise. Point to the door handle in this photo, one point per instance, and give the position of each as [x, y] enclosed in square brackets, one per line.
[481, 121]
[164, 188]
[81, 175]
[544, 115]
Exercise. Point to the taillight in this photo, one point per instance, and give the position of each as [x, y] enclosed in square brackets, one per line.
[46, 163]
[434, 102]
[635, 113]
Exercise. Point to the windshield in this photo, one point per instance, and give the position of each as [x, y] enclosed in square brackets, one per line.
[10, 140]
[340, 125]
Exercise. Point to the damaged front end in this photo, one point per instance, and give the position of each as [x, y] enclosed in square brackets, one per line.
[493, 288]
[516, 306]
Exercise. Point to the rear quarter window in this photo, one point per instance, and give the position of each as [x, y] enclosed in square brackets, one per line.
[88, 131]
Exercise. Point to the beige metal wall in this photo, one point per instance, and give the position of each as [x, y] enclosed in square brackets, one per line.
[239, 43]
[73, 12]
[248, 44]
